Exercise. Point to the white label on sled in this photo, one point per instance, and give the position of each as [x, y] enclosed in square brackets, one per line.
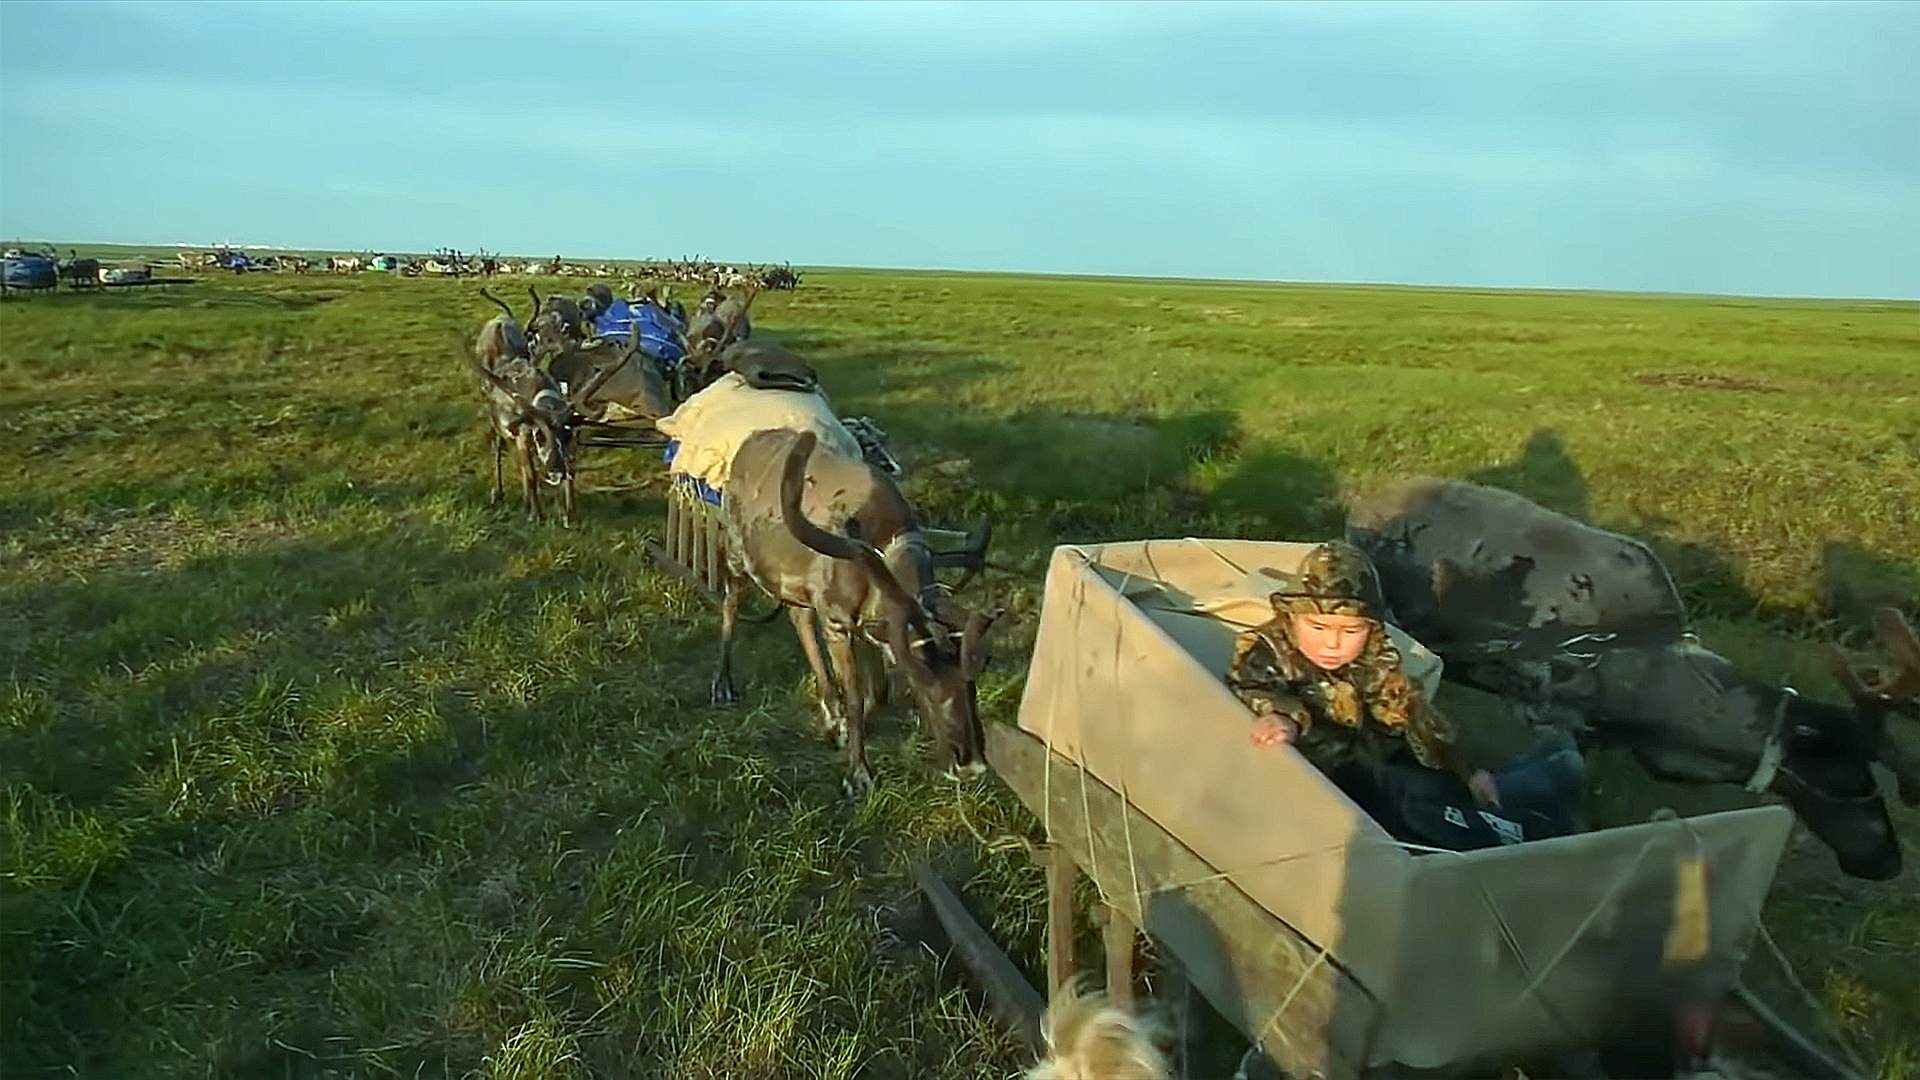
[1509, 832]
[1454, 817]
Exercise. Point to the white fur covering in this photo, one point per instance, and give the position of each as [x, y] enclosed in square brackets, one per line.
[1088, 1039]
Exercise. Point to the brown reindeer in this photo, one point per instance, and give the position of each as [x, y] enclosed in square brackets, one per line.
[718, 323]
[629, 386]
[527, 410]
[1876, 694]
[871, 581]
[554, 325]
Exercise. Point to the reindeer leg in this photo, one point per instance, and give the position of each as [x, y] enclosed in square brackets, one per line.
[499, 479]
[723, 691]
[833, 717]
[536, 501]
[840, 647]
[876, 682]
[529, 495]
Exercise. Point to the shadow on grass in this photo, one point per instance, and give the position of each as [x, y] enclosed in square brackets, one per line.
[1543, 472]
[180, 737]
[852, 371]
[366, 803]
[1854, 582]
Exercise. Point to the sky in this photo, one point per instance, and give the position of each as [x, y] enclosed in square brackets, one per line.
[1707, 147]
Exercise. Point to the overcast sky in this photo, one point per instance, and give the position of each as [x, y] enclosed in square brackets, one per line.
[1719, 147]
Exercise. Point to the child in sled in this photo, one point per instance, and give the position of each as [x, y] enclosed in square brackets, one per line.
[1323, 677]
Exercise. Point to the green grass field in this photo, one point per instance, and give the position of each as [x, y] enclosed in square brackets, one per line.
[317, 765]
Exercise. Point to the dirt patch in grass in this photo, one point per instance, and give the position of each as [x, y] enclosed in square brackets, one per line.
[1704, 380]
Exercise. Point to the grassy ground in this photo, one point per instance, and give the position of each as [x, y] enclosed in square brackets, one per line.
[317, 765]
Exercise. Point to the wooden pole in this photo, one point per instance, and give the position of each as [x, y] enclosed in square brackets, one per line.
[716, 562]
[1062, 872]
[1120, 938]
[672, 531]
[696, 561]
[1012, 997]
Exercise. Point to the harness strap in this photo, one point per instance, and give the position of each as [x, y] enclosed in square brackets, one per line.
[1586, 645]
[1775, 748]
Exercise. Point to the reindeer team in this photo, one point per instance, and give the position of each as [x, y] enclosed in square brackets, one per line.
[818, 524]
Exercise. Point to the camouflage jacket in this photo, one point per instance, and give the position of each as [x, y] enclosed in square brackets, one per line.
[1360, 713]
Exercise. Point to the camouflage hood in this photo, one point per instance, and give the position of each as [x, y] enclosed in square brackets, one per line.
[1335, 579]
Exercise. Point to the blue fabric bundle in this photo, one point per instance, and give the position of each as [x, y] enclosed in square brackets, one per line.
[658, 332]
[694, 484]
[28, 272]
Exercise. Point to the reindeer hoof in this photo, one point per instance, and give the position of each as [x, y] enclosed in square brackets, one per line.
[723, 692]
[834, 727]
[859, 784]
[961, 774]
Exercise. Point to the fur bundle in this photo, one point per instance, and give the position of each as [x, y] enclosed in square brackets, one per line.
[1088, 1039]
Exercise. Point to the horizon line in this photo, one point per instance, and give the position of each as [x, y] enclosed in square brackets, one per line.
[1056, 274]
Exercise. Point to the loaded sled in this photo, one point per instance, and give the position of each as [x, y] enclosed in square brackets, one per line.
[1333, 948]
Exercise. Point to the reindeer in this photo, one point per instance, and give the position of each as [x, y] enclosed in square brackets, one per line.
[628, 386]
[80, 273]
[501, 339]
[1587, 628]
[871, 583]
[527, 409]
[554, 325]
[719, 322]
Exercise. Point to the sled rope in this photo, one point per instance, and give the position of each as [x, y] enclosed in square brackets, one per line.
[1605, 901]
[1834, 1031]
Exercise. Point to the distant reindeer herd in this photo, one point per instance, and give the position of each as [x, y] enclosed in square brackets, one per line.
[45, 269]
[449, 262]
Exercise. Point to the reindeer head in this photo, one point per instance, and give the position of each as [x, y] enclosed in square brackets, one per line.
[1878, 694]
[543, 427]
[530, 410]
[1825, 772]
[596, 302]
[939, 648]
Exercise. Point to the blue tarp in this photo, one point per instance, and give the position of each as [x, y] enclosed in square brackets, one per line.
[659, 336]
[692, 483]
[29, 272]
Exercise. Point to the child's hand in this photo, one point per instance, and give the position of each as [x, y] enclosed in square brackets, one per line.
[1485, 791]
[1271, 730]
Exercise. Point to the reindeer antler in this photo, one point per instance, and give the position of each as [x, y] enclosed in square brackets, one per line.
[1901, 684]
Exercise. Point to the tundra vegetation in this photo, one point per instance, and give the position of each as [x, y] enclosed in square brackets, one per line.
[317, 765]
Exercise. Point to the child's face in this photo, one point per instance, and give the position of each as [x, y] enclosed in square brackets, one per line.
[1330, 642]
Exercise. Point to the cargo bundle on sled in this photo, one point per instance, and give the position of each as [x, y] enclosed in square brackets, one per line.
[705, 433]
[1335, 949]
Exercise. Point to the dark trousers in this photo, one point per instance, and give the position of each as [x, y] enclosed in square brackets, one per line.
[1540, 794]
